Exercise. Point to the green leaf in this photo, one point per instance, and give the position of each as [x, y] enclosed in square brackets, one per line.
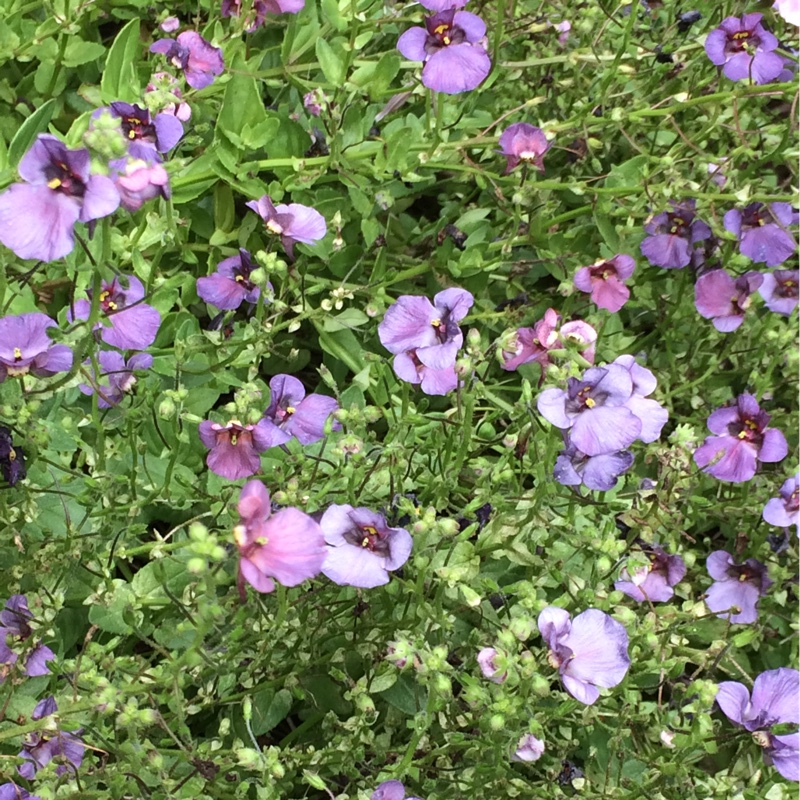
[343, 346]
[269, 709]
[406, 696]
[120, 80]
[333, 61]
[110, 618]
[80, 52]
[607, 230]
[243, 119]
[35, 124]
[349, 318]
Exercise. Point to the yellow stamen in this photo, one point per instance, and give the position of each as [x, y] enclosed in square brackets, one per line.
[54, 183]
[590, 403]
[131, 134]
[441, 29]
[290, 409]
[12, 454]
[112, 306]
[739, 35]
[104, 296]
[17, 353]
[365, 541]
[274, 227]
[234, 439]
[436, 323]
[445, 40]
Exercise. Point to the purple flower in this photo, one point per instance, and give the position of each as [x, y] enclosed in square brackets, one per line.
[523, 142]
[762, 231]
[672, 234]
[391, 790]
[291, 413]
[428, 329]
[37, 217]
[737, 587]
[311, 103]
[783, 753]
[167, 96]
[588, 651]
[170, 25]
[529, 748]
[230, 285]
[600, 473]
[10, 791]
[651, 414]
[653, 581]
[779, 290]
[146, 134]
[288, 546]
[451, 47]
[718, 297]
[293, 223]
[363, 549]
[442, 5]
[139, 179]
[742, 440]
[783, 511]
[12, 460]
[487, 661]
[606, 281]
[116, 376]
[408, 367]
[14, 619]
[40, 748]
[234, 447]
[743, 48]
[199, 59]
[233, 8]
[25, 347]
[535, 344]
[133, 324]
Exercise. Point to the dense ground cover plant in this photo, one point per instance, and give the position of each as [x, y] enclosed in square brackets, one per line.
[398, 401]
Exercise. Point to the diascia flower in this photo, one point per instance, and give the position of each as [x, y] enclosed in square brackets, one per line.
[230, 285]
[234, 448]
[723, 299]
[743, 48]
[15, 629]
[599, 473]
[451, 47]
[37, 217]
[233, 8]
[762, 231]
[293, 414]
[589, 651]
[293, 222]
[737, 588]
[391, 790]
[784, 510]
[116, 377]
[529, 748]
[287, 547]
[26, 348]
[672, 236]
[779, 289]
[146, 134]
[653, 581]
[200, 61]
[605, 280]
[524, 143]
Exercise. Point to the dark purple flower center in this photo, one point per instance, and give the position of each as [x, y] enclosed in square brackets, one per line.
[604, 270]
[135, 128]
[283, 414]
[749, 430]
[793, 503]
[742, 41]
[582, 395]
[370, 538]
[442, 32]
[787, 288]
[241, 274]
[60, 178]
[111, 299]
[756, 216]
[235, 433]
[745, 573]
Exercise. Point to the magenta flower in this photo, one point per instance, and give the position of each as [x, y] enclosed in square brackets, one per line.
[311, 103]
[535, 344]
[672, 235]
[742, 440]
[529, 749]
[762, 231]
[391, 790]
[588, 651]
[116, 376]
[451, 47]
[230, 285]
[605, 280]
[720, 298]
[14, 619]
[233, 8]
[139, 179]
[145, 133]
[287, 547]
[362, 548]
[234, 448]
[25, 347]
[784, 511]
[408, 367]
[293, 223]
[599, 473]
[487, 661]
[523, 142]
[133, 324]
[41, 747]
[654, 581]
[37, 217]
[737, 588]
[743, 48]
[779, 290]
[200, 61]
[291, 413]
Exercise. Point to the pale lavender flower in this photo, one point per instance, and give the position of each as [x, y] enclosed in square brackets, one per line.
[362, 548]
[25, 347]
[230, 285]
[524, 143]
[743, 48]
[391, 790]
[784, 511]
[589, 651]
[14, 625]
[116, 376]
[190, 52]
[605, 280]
[452, 49]
[782, 752]
[292, 413]
[37, 217]
[651, 413]
[133, 324]
[780, 289]
[287, 547]
[742, 440]
[599, 473]
[293, 223]
[737, 588]
[762, 231]
[672, 235]
[408, 367]
[170, 24]
[487, 661]
[42, 747]
[529, 749]
[723, 299]
[653, 581]
[442, 5]
[234, 448]
[139, 179]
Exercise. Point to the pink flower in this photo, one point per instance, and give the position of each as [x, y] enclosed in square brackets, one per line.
[605, 280]
[523, 142]
[487, 661]
[288, 547]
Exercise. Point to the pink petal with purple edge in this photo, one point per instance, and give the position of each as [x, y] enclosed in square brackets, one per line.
[712, 294]
[253, 502]
[583, 279]
[336, 521]
[307, 424]
[441, 5]
[457, 68]
[728, 324]
[776, 694]
[773, 447]
[605, 430]
[349, 565]
[133, 328]
[259, 581]
[733, 700]
[308, 225]
[222, 292]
